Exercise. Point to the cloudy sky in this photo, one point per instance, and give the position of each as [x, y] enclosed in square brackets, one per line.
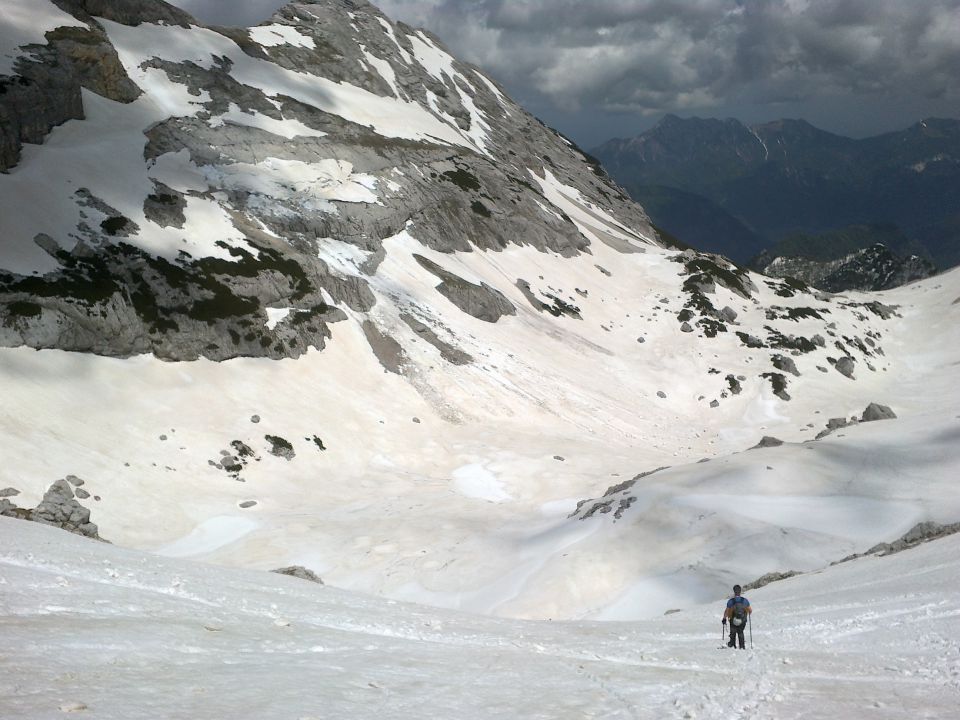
[597, 69]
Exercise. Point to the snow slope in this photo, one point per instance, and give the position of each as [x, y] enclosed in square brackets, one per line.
[452, 485]
[410, 475]
[112, 633]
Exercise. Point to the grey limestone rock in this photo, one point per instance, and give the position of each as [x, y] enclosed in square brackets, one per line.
[480, 301]
[453, 355]
[59, 508]
[685, 327]
[767, 442]
[280, 447]
[9, 492]
[617, 499]
[846, 366]
[386, 349]
[769, 578]
[299, 571]
[834, 424]
[919, 533]
[45, 91]
[111, 298]
[875, 411]
[165, 206]
[784, 363]
[733, 383]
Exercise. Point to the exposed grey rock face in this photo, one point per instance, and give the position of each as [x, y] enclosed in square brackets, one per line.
[387, 350]
[769, 578]
[165, 206]
[617, 499]
[781, 362]
[59, 508]
[280, 447]
[875, 411]
[299, 571]
[291, 248]
[835, 424]
[480, 301]
[845, 366]
[127, 12]
[45, 92]
[767, 442]
[111, 297]
[919, 533]
[448, 352]
[734, 384]
[9, 492]
[779, 384]
[872, 268]
[556, 307]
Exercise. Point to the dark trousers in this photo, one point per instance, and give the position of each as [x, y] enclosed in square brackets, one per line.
[736, 631]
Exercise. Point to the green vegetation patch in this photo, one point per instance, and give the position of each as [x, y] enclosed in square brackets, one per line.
[24, 308]
[463, 179]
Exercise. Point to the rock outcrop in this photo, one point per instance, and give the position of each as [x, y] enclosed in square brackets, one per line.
[299, 571]
[59, 508]
[474, 178]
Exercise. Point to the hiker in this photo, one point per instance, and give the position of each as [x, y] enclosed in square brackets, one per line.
[738, 613]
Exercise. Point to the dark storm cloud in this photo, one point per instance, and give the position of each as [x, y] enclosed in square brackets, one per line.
[654, 56]
[886, 62]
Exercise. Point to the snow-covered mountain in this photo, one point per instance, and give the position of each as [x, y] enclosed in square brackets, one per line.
[318, 293]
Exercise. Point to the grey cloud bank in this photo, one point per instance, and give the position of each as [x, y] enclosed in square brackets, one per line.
[612, 67]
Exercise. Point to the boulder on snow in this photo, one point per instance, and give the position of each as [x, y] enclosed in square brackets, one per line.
[767, 441]
[299, 571]
[876, 411]
[728, 314]
[845, 366]
[786, 364]
[835, 424]
[59, 508]
[9, 492]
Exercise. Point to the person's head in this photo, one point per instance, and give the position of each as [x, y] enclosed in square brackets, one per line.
[736, 590]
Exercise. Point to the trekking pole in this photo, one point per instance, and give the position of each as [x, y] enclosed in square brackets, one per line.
[750, 625]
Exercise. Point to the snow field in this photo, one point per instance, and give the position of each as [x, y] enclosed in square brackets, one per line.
[449, 510]
[162, 637]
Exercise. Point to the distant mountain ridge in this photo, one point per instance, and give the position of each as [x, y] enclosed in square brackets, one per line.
[860, 257]
[788, 177]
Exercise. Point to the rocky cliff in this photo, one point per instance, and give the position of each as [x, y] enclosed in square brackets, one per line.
[222, 192]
